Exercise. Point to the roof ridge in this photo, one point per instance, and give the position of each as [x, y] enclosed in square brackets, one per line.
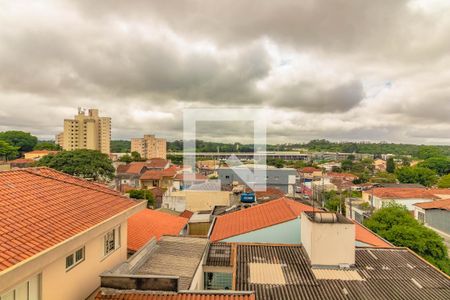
[29, 170]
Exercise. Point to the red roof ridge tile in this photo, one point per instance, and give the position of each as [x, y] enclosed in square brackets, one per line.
[88, 186]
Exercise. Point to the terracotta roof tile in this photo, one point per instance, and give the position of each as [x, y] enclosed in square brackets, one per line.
[145, 225]
[438, 204]
[309, 170]
[21, 161]
[366, 236]
[40, 208]
[158, 174]
[173, 296]
[186, 214]
[257, 217]
[401, 193]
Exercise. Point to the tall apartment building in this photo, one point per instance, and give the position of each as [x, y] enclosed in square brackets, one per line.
[59, 139]
[149, 146]
[86, 131]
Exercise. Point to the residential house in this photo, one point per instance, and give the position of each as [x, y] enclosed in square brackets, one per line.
[183, 181]
[310, 173]
[325, 265]
[128, 175]
[377, 197]
[278, 222]
[38, 154]
[21, 163]
[435, 215]
[158, 178]
[281, 178]
[148, 224]
[379, 165]
[58, 233]
[199, 199]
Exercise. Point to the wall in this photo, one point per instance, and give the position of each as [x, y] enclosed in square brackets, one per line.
[196, 200]
[328, 244]
[439, 219]
[283, 233]
[80, 281]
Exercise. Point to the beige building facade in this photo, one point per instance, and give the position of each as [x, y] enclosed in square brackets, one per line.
[86, 131]
[149, 146]
[77, 277]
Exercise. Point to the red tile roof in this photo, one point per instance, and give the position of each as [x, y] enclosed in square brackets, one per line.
[42, 152]
[342, 175]
[158, 174]
[270, 192]
[21, 161]
[186, 214]
[257, 217]
[40, 208]
[172, 296]
[438, 204]
[366, 236]
[309, 170]
[439, 191]
[272, 213]
[145, 225]
[401, 193]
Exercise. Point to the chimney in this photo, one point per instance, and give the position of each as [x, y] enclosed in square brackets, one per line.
[329, 239]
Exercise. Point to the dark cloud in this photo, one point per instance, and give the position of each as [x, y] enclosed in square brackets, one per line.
[310, 97]
[315, 65]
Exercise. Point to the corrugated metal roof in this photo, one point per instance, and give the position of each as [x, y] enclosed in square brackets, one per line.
[386, 274]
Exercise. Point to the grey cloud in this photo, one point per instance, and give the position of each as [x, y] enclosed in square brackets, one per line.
[311, 97]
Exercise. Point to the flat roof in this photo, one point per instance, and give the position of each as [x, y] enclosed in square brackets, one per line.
[175, 256]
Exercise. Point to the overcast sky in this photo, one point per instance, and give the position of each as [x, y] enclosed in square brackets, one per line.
[336, 69]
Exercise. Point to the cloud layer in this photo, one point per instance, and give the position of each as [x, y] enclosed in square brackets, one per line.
[353, 70]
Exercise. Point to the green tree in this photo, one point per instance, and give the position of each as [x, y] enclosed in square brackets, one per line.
[7, 151]
[24, 140]
[120, 146]
[419, 175]
[143, 194]
[47, 145]
[347, 165]
[136, 156]
[395, 224]
[84, 163]
[276, 162]
[383, 177]
[441, 165]
[426, 152]
[444, 182]
[390, 165]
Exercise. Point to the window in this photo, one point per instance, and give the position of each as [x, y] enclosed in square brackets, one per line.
[227, 177]
[112, 240]
[218, 281]
[28, 290]
[74, 259]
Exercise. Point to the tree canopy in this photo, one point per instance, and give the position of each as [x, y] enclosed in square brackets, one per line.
[390, 165]
[47, 145]
[395, 224]
[89, 164]
[426, 152]
[419, 175]
[120, 146]
[8, 151]
[444, 182]
[23, 140]
[143, 194]
[441, 164]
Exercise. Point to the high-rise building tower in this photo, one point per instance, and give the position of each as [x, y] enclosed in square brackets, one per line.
[149, 146]
[86, 132]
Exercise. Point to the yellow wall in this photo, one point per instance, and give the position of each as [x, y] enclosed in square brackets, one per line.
[80, 281]
[204, 200]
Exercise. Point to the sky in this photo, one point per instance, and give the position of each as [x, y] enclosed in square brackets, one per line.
[336, 69]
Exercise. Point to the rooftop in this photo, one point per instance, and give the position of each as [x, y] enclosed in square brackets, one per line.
[275, 212]
[284, 272]
[257, 217]
[182, 295]
[401, 193]
[145, 225]
[438, 204]
[40, 208]
[175, 256]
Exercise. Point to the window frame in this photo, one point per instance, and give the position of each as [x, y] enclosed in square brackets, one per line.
[76, 262]
[116, 234]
